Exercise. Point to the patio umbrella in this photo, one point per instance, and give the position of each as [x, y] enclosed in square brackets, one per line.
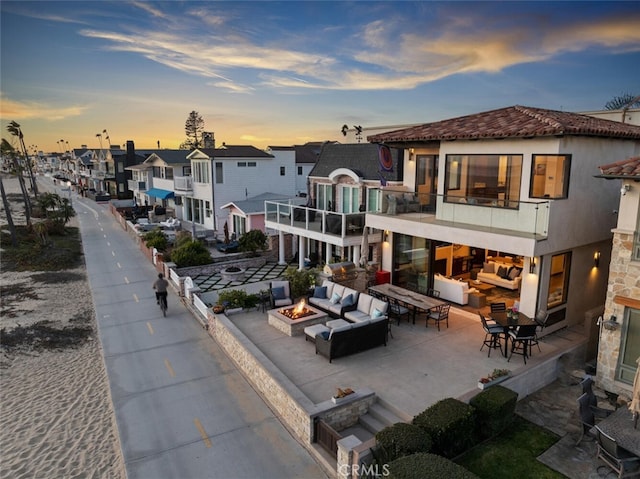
[634, 406]
[364, 248]
[226, 233]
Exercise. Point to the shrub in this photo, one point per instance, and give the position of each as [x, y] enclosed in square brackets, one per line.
[495, 409]
[421, 465]
[190, 253]
[237, 298]
[451, 425]
[300, 281]
[252, 241]
[155, 239]
[401, 439]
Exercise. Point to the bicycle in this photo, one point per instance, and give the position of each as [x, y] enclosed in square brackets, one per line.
[163, 303]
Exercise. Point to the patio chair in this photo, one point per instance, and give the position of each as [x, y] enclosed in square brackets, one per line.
[625, 463]
[541, 318]
[439, 314]
[280, 293]
[397, 311]
[498, 307]
[492, 335]
[434, 293]
[520, 339]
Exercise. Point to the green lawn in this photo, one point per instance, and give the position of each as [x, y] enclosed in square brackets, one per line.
[513, 453]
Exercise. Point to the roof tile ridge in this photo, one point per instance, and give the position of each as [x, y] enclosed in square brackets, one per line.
[538, 114]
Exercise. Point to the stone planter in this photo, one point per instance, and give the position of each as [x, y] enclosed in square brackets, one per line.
[232, 275]
[230, 311]
[493, 382]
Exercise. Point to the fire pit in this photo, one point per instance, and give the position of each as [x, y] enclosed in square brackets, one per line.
[299, 311]
[292, 322]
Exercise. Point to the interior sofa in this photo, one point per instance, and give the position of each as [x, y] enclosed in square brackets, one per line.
[368, 308]
[352, 338]
[334, 299]
[452, 289]
[503, 275]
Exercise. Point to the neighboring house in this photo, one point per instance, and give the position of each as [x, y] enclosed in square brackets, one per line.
[513, 182]
[305, 157]
[619, 346]
[160, 178]
[344, 184]
[233, 173]
[247, 215]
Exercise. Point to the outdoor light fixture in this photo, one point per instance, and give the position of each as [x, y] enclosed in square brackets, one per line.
[624, 189]
[411, 154]
[596, 259]
[532, 265]
[611, 324]
[386, 236]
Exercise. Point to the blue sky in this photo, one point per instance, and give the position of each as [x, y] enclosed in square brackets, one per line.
[283, 73]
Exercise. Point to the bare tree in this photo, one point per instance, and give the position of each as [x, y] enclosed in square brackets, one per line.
[193, 128]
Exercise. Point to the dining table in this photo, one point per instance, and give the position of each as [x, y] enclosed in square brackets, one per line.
[620, 425]
[419, 302]
[510, 320]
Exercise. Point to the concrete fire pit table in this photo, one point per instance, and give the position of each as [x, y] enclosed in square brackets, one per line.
[295, 327]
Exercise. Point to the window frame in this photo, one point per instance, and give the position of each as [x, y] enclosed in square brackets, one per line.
[538, 170]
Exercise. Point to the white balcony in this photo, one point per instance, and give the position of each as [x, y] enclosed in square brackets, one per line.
[183, 184]
[133, 185]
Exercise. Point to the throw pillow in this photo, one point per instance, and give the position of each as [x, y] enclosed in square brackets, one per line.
[320, 292]
[347, 300]
[502, 272]
[335, 298]
[376, 314]
[278, 293]
[514, 273]
[325, 334]
[488, 268]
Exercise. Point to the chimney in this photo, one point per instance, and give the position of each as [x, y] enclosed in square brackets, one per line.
[158, 144]
[131, 154]
[208, 139]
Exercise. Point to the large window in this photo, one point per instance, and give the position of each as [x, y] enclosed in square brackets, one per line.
[350, 199]
[411, 262]
[559, 280]
[201, 171]
[487, 180]
[374, 200]
[323, 197]
[219, 177]
[629, 346]
[550, 176]
[239, 225]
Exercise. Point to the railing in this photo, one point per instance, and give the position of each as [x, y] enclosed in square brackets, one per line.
[326, 222]
[183, 183]
[327, 437]
[522, 216]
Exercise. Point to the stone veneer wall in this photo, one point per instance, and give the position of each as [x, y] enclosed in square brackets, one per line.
[624, 280]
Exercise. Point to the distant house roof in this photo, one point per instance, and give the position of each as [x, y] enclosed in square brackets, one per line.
[235, 151]
[361, 158]
[254, 205]
[170, 157]
[512, 122]
[629, 169]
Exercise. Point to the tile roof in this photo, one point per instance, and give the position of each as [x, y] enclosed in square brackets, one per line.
[511, 122]
[629, 168]
[361, 158]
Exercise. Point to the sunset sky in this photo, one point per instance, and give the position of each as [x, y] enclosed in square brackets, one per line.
[284, 73]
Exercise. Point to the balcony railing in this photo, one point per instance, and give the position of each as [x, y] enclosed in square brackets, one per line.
[325, 222]
[522, 216]
[183, 183]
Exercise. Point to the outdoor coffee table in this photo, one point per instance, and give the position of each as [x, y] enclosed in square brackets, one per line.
[482, 287]
[295, 327]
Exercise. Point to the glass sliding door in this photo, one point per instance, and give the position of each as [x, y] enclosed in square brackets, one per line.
[427, 181]
[411, 256]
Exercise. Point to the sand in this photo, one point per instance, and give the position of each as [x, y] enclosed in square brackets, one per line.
[56, 415]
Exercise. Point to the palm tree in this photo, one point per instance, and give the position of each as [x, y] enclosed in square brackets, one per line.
[623, 102]
[14, 129]
[8, 150]
[7, 208]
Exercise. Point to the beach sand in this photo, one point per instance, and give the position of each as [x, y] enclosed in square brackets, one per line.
[56, 416]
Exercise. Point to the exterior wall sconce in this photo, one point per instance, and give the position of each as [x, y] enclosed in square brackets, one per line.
[624, 189]
[596, 259]
[532, 265]
[386, 236]
[411, 154]
[611, 324]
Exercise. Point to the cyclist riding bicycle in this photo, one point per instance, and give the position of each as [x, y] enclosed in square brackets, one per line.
[160, 286]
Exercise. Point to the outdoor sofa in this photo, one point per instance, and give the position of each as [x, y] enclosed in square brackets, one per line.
[334, 298]
[352, 338]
